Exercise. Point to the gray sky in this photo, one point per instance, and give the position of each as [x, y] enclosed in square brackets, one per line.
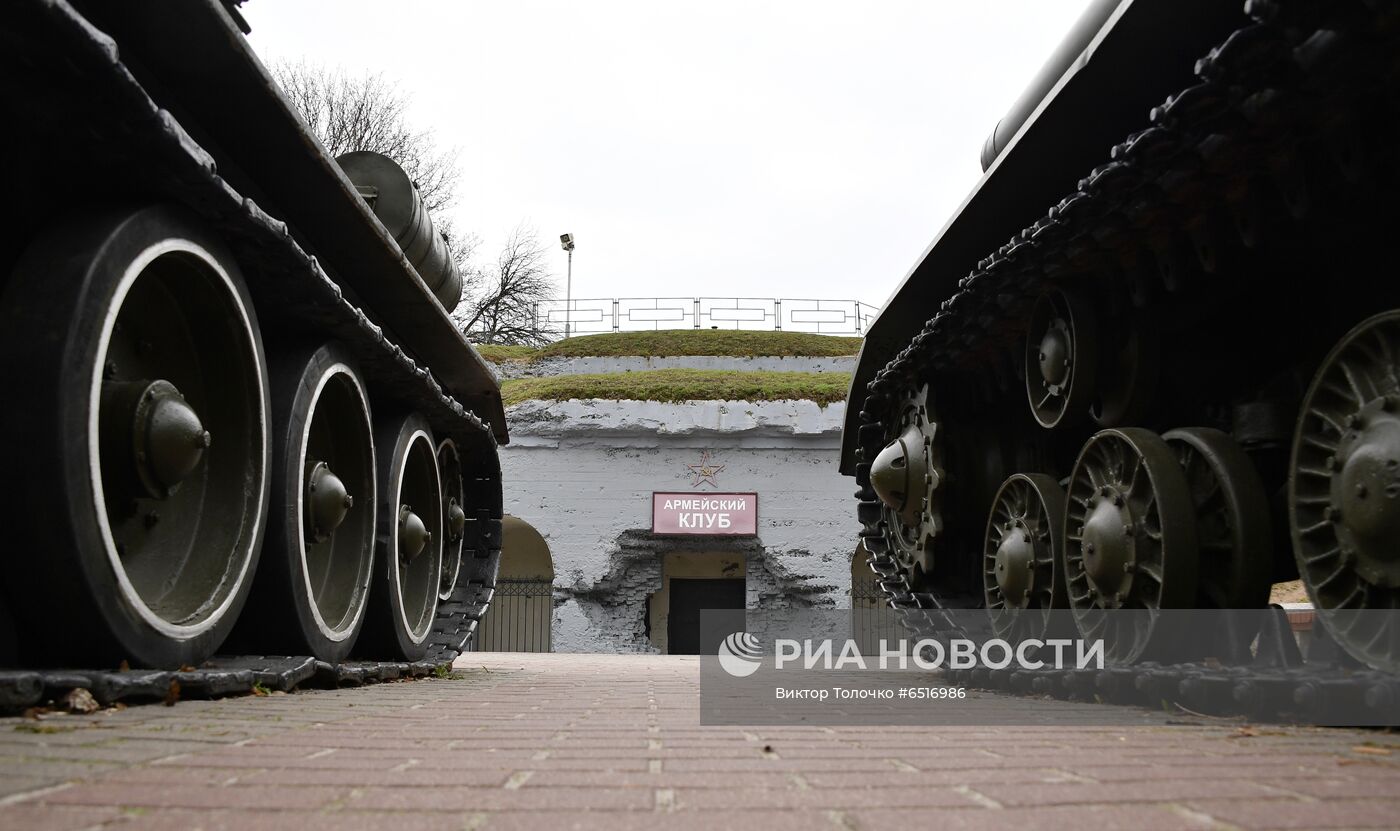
[757, 149]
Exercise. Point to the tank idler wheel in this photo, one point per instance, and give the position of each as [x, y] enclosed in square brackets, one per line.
[312, 588]
[1061, 357]
[1344, 491]
[454, 514]
[408, 556]
[1232, 519]
[141, 441]
[1130, 540]
[907, 476]
[1023, 565]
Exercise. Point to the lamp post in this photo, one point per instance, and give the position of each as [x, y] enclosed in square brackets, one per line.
[566, 241]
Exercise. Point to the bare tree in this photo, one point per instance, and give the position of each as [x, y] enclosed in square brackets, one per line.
[499, 302]
[367, 112]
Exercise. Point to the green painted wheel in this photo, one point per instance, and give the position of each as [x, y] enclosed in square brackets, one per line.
[454, 516]
[145, 453]
[1022, 561]
[409, 553]
[1344, 492]
[1130, 540]
[1232, 519]
[312, 587]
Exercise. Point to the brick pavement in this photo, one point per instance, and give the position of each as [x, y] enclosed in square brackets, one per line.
[613, 742]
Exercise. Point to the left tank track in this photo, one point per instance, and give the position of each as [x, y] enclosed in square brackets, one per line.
[1276, 105]
[65, 79]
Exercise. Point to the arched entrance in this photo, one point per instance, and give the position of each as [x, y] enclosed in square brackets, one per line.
[523, 607]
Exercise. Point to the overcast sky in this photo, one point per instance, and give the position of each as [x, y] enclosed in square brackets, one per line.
[757, 149]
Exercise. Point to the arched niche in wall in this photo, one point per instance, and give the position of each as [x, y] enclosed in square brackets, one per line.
[522, 609]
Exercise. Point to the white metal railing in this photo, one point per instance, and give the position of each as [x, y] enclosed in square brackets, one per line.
[591, 316]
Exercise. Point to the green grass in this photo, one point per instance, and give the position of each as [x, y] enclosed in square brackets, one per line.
[721, 342]
[499, 354]
[682, 385]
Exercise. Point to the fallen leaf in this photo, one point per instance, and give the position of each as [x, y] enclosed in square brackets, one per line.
[79, 700]
[1371, 751]
[172, 695]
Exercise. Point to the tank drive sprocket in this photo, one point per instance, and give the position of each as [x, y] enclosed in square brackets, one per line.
[907, 475]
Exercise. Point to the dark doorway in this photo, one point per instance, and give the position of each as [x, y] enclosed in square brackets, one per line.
[688, 597]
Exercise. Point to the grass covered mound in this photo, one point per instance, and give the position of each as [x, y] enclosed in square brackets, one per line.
[672, 385]
[726, 343]
[497, 354]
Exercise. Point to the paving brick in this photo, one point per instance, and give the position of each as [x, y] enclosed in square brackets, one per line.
[184, 820]
[1353, 813]
[1147, 790]
[616, 821]
[259, 798]
[568, 741]
[480, 799]
[1054, 818]
[52, 818]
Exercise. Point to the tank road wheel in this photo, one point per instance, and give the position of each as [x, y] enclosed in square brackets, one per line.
[454, 516]
[1344, 491]
[408, 562]
[1130, 539]
[313, 585]
[906, 476]
[1023, 566]
[1232, 519]
[1061, 361]
[142, 439]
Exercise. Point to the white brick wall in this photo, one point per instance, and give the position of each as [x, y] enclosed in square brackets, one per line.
[582, 472]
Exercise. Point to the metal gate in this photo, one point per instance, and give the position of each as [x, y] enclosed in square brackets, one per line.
[872, 619]
[519, 618]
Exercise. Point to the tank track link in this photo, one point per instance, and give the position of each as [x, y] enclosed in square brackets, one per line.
[1276, 686]
[221, 676]
[1271, 84]
[92, 92]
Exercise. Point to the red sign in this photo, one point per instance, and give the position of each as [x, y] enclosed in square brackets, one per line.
[729, 514]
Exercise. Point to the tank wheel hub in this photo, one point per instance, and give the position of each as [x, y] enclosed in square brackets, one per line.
[1055, 356]
[456, 520]
[1061, 358]
[1015, 564]
[901, 472]
[1365, 491]
[327, 502]
[1109, 546]
[165, 435]
[414, 535]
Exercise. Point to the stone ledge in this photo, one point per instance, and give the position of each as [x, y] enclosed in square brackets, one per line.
[597, 418]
